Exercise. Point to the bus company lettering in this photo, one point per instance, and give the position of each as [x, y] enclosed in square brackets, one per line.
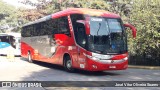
[26, 84]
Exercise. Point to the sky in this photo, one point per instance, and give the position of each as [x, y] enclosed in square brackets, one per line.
[17, 4]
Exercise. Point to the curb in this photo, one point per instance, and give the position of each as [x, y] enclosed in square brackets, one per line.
[144, 67]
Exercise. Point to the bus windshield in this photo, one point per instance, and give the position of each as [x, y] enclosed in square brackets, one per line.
[107, 35]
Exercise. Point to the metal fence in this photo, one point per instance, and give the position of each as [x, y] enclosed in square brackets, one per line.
[143, 61]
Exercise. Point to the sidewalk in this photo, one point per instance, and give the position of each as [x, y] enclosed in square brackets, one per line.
[144, 67]
[9, 59]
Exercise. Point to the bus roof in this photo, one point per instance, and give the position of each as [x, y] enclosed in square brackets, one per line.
[11, 34]
[90, 12]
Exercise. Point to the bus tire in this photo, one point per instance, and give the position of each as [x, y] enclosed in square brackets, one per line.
[68, 64]
[30, 58]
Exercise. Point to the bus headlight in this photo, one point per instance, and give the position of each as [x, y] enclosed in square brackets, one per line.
[126, 58]
[91, 57]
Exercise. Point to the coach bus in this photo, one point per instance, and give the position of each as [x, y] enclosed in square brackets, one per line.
[78, 38]
[10, 43]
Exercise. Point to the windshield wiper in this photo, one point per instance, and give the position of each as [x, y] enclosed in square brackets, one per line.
[109, 34]
[98, 28]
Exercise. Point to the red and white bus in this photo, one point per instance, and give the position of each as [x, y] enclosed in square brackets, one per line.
[78, 38]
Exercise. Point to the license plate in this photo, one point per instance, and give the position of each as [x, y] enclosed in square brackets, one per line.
[112, 66]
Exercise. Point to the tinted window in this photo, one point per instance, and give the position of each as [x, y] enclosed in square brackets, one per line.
[49, 27]
[63, 25]
[79, 29]
[26, 32]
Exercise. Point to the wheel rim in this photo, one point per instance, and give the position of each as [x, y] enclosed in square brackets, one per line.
[69, 64]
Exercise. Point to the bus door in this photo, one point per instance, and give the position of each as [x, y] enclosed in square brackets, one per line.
[80, 36]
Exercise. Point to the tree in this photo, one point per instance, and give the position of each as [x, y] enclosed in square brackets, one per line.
[121, 7]
[146, 17]
[94, 4]
[8, 16]
[45, 7]
[42, 8]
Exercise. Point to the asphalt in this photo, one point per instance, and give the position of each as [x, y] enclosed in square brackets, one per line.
[24, 71]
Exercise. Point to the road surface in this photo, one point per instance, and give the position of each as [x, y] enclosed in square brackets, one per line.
[19, 69]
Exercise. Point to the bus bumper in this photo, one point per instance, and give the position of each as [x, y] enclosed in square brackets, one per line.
[98, 66]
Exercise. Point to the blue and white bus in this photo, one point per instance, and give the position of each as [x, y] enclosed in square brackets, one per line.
[10, 43]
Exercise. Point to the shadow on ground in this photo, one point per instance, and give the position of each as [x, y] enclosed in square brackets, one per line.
[77, 71]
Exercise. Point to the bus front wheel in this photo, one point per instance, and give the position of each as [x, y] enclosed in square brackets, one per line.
[68, 64]
[30, 57]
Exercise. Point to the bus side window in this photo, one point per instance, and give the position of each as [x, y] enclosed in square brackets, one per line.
[63, 26]
[27, 31]
[79, 29]
[51, 26]
[34, 32]
[55, 26]
[80, 33]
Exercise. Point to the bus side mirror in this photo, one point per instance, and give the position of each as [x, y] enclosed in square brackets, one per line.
[132, 28]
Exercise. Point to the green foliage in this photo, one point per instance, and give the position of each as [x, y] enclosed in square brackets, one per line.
[5, 10]
[145, 16]
[64, 4]
[8, 15]
[45, 7]
[94, 4]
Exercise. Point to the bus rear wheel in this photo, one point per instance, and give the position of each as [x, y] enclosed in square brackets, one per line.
[30, 57]
[68, 64]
